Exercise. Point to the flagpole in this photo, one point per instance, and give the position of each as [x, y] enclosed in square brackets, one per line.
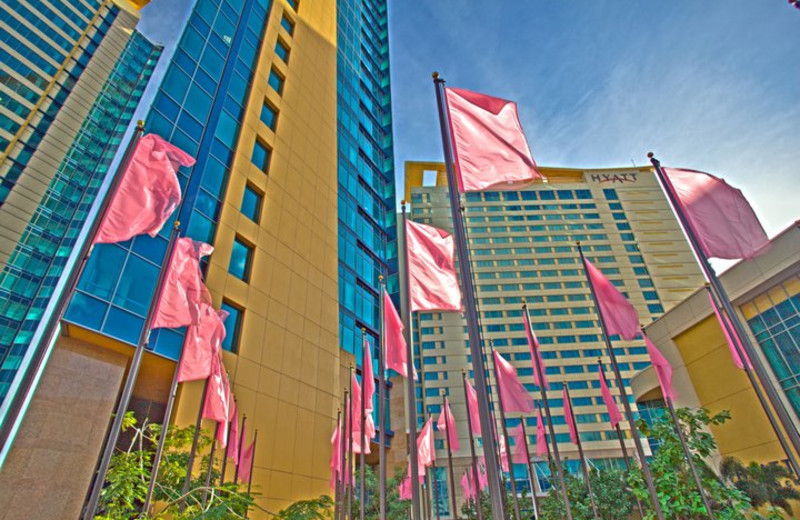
[722, 296]
[582, 456]
[240, 447]
[343, 450]
[540, 377]
[445, 404]
[472, 452]
[193, 450]
[252, 465]
[382, 403]
[211, 456]
[506, 437]
[648, 477]
[130, 380]
[412, 402]
[470, 311]
[433, 479]
[225, 456]
[42, 348]
[350, 454]
[531, 470]
[621, 441]
[362, 485]
[336, 486]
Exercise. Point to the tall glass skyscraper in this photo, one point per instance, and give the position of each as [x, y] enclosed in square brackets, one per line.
[50, 180]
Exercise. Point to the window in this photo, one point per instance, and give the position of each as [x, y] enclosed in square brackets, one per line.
[241, 259]
[276, 81]
[233, 326]
[282, 50]
[294, 4]
[269, 115]
[251, 203]
[261, 154]
[288, 25]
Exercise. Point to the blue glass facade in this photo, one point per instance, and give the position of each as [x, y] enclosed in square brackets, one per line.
[199, 107]
[25, 91]
[367, 208]
[28, 280]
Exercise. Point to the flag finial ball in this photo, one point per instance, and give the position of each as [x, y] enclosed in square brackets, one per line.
[650, 155]
[403, 202]
[435, 75]
[140, 123]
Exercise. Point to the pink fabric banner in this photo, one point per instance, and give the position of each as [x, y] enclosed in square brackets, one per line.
[184, 293]
[483, 478]
[515, 397]
[368, 377]
[490, 147]
[573, 432]
[246, 463]
[426, 453]
[467, 486]
[147, 194]
[536, 356]
[395, 342]
[541, 436]
[203, 342]
[518, 452]
[217, 402]
[432, 279]
[733, 342]
[472, 409]
[503, 454]
[447, 425]
[404, 489]
[355, 411]
[662, 368]
[618, 314]
[613, 412]
[233, 440]
[724, 222]
[336, 455]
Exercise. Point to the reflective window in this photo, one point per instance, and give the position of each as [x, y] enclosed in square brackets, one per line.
[251, 203]
[261, 155]
[276, 81]
[269, 115]
[282, 50]
[233, 326]
[287, 24]
[241, 259]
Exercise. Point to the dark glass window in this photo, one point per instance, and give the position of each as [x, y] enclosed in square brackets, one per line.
[269, 115]
[275, 81]
[251, 203]
[293, 3]
[282, 50]
[241, 259]
[233, 326]
[261, 154]
[288, 25]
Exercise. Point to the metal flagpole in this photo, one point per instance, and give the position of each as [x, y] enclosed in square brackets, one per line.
[433, 479]
[648, 477]
[531, 470]
[225, 454]
[621, 438]
[412, 397]
[548, 417]
[688, 454]
[350, 454]
[130, 380]
[252, 465]
[382, 403]
[470, 311]
[584, 464]
[478, 491]
[42, 349]
[722, 296]
[362, 485]
[241, 448]
[757, 387]
[337, 487]
[193, 450]
[210, 468]
[448, 433]
[345, 470]
[506, 437]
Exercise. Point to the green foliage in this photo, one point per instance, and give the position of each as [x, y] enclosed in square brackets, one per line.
[612, 496]
[525, 506]
[763, 483]
[129, 474]
[320, 508]
[396, 509]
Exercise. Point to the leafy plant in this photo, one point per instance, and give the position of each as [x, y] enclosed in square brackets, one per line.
[611, 493]
[320, 508]
[763, 483]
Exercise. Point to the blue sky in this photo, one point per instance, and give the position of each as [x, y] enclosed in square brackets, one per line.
[709, 85]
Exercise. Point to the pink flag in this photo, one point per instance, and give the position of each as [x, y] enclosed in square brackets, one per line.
[483, 478]
[433, 285]
[217, 402]
[426, 453]
[662, 367]
[503, 454]
[395, 342]
[617, 312]
[541, 436]
[336, 455]
[613, 412]
[184, 293]
[368, 377]
[246, 463]
[515, 397]
[724, 222]
[405, 488]
[518, 452]
[203, 342]
[733, 342]
[447, 425]
[536, 356]
[472, 409]
[490, 146]
[233, 445]
[467, 486]
[573, 431]
[355, 413]
[147, 194]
